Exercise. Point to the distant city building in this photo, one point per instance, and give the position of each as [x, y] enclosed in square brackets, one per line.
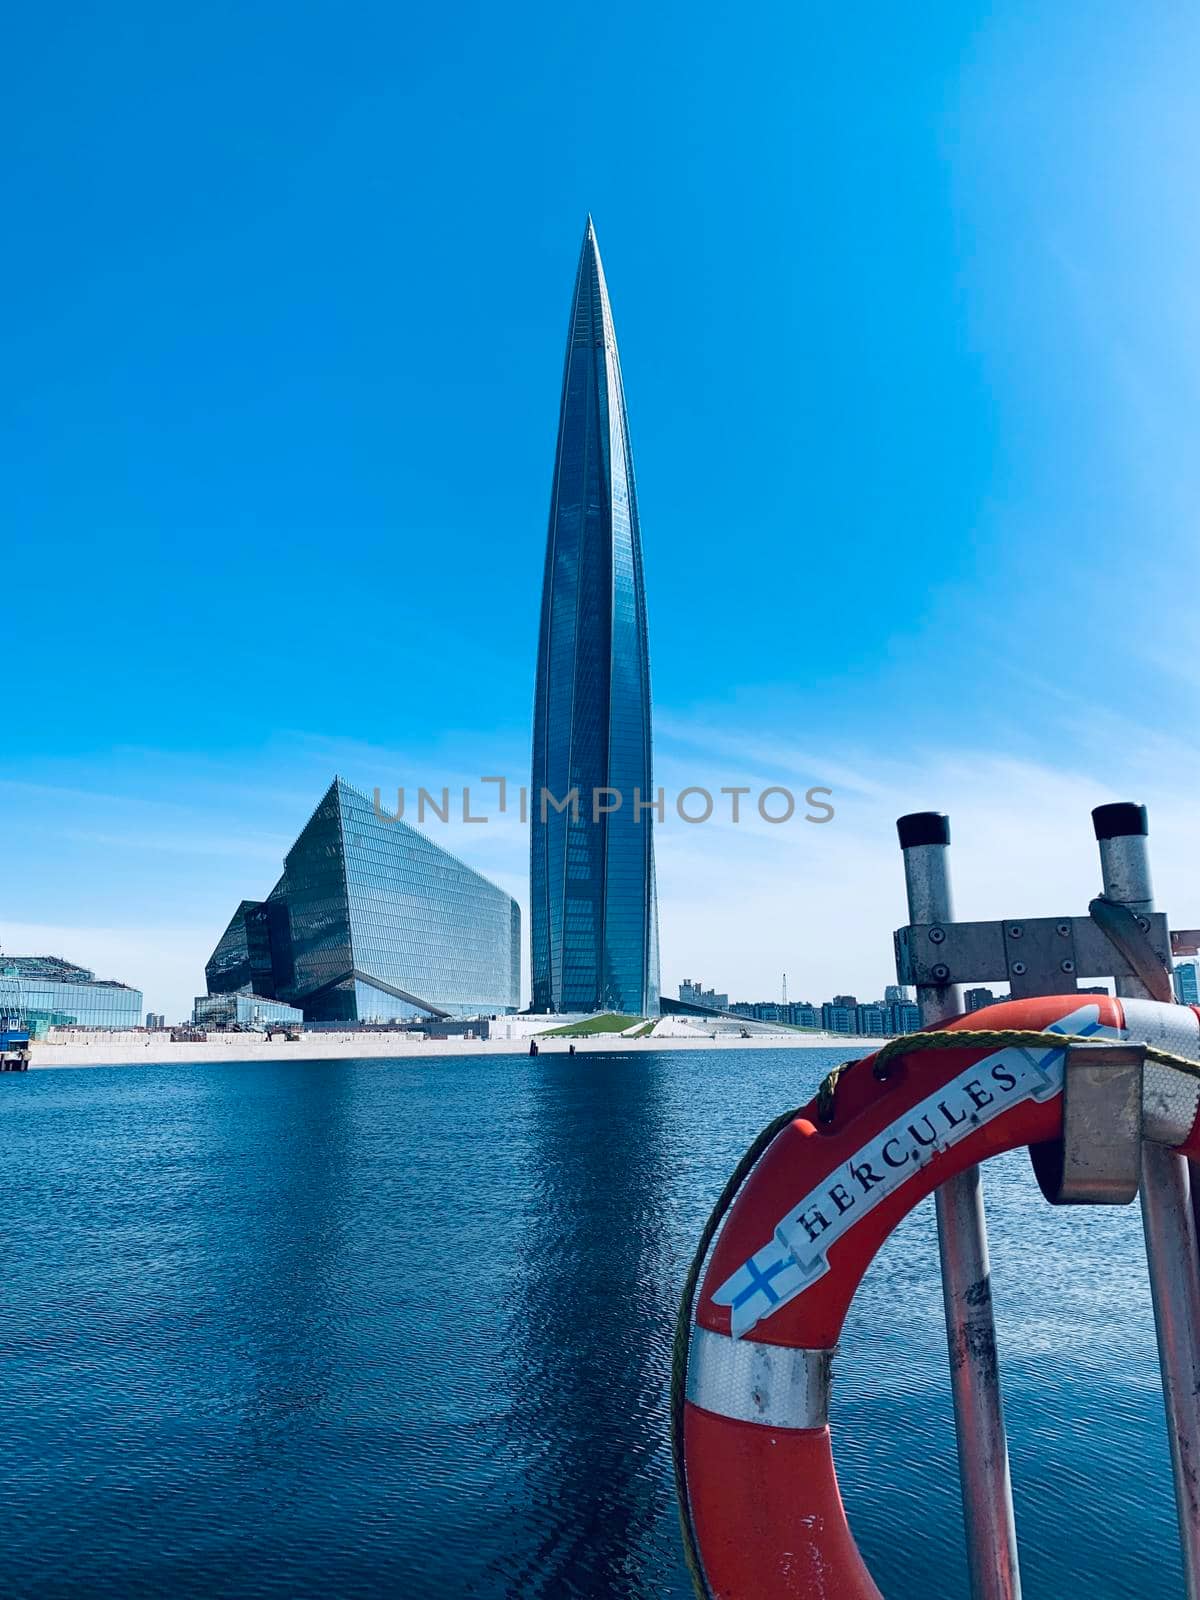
[904, 1016]
[838, 1017]
[593, 908]
[155, 1020]
[976, 999]
[47, 992]
[873, 1020]
[761, 1010]
[371, 921]
[1187, 981]
[896, 994]
[694, 994]
[243, 1011]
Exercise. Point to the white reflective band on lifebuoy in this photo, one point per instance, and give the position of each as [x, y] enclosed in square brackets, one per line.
[1169, 1098]
[752, 1382]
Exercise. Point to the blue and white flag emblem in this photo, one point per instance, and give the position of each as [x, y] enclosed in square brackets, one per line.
[771, 1276]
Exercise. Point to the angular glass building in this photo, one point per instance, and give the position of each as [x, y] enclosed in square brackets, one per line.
[47, 992]
[593, 908]
[371, 921]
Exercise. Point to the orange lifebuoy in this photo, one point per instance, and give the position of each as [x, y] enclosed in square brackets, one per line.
[759, 1491]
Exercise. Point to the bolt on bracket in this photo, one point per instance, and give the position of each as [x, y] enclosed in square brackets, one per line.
[1034, 955]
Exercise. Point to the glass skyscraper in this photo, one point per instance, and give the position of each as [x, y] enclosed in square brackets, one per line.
[593, 909]
[372, 921]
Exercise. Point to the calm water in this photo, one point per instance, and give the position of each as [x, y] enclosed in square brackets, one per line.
[362, 1328]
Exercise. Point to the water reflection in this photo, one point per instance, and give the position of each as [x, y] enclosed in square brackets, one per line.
[280, 1269]
[591, 1328]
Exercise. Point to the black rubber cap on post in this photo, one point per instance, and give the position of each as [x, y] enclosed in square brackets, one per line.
[1119, 820]
[923, 827]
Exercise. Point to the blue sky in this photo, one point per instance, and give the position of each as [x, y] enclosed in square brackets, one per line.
[909, 318]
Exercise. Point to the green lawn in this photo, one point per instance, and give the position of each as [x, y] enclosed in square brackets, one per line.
[610, 1022]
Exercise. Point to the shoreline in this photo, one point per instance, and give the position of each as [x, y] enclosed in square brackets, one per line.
[360, 1047]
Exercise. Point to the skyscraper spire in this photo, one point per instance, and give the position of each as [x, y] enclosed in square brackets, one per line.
[593, 908]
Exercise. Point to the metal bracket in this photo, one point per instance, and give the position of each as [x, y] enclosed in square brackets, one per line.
[1126, 929]
[1035, 955]
[1098, 1160]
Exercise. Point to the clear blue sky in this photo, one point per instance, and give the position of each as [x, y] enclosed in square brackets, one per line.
[908, 310]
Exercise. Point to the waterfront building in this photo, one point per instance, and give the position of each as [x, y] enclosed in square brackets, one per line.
[371, 921]
[873, 1019]
[47, 992]
[759, 1010]
[904, 1016]
[593, 908]
[838, 1017]
[243, 1011]
[1187, 981]
[896, 994]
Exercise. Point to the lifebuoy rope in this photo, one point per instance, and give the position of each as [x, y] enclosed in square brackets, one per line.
[957, 1039]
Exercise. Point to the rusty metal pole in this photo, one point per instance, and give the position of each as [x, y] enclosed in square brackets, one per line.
[1167, 1220]
[966, 1278]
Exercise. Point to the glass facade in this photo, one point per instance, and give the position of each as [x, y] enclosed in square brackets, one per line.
[44, 992]
[593, 908]
[244, 1010]
[242, 959]
[371, 921]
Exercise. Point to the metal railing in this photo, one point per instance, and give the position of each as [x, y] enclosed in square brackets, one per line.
[1123, 938]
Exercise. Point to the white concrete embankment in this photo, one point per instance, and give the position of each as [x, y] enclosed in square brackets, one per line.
[151, 1050]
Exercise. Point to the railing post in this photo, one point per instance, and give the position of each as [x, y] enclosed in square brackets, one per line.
[1167, 1220]
[966, 1278]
